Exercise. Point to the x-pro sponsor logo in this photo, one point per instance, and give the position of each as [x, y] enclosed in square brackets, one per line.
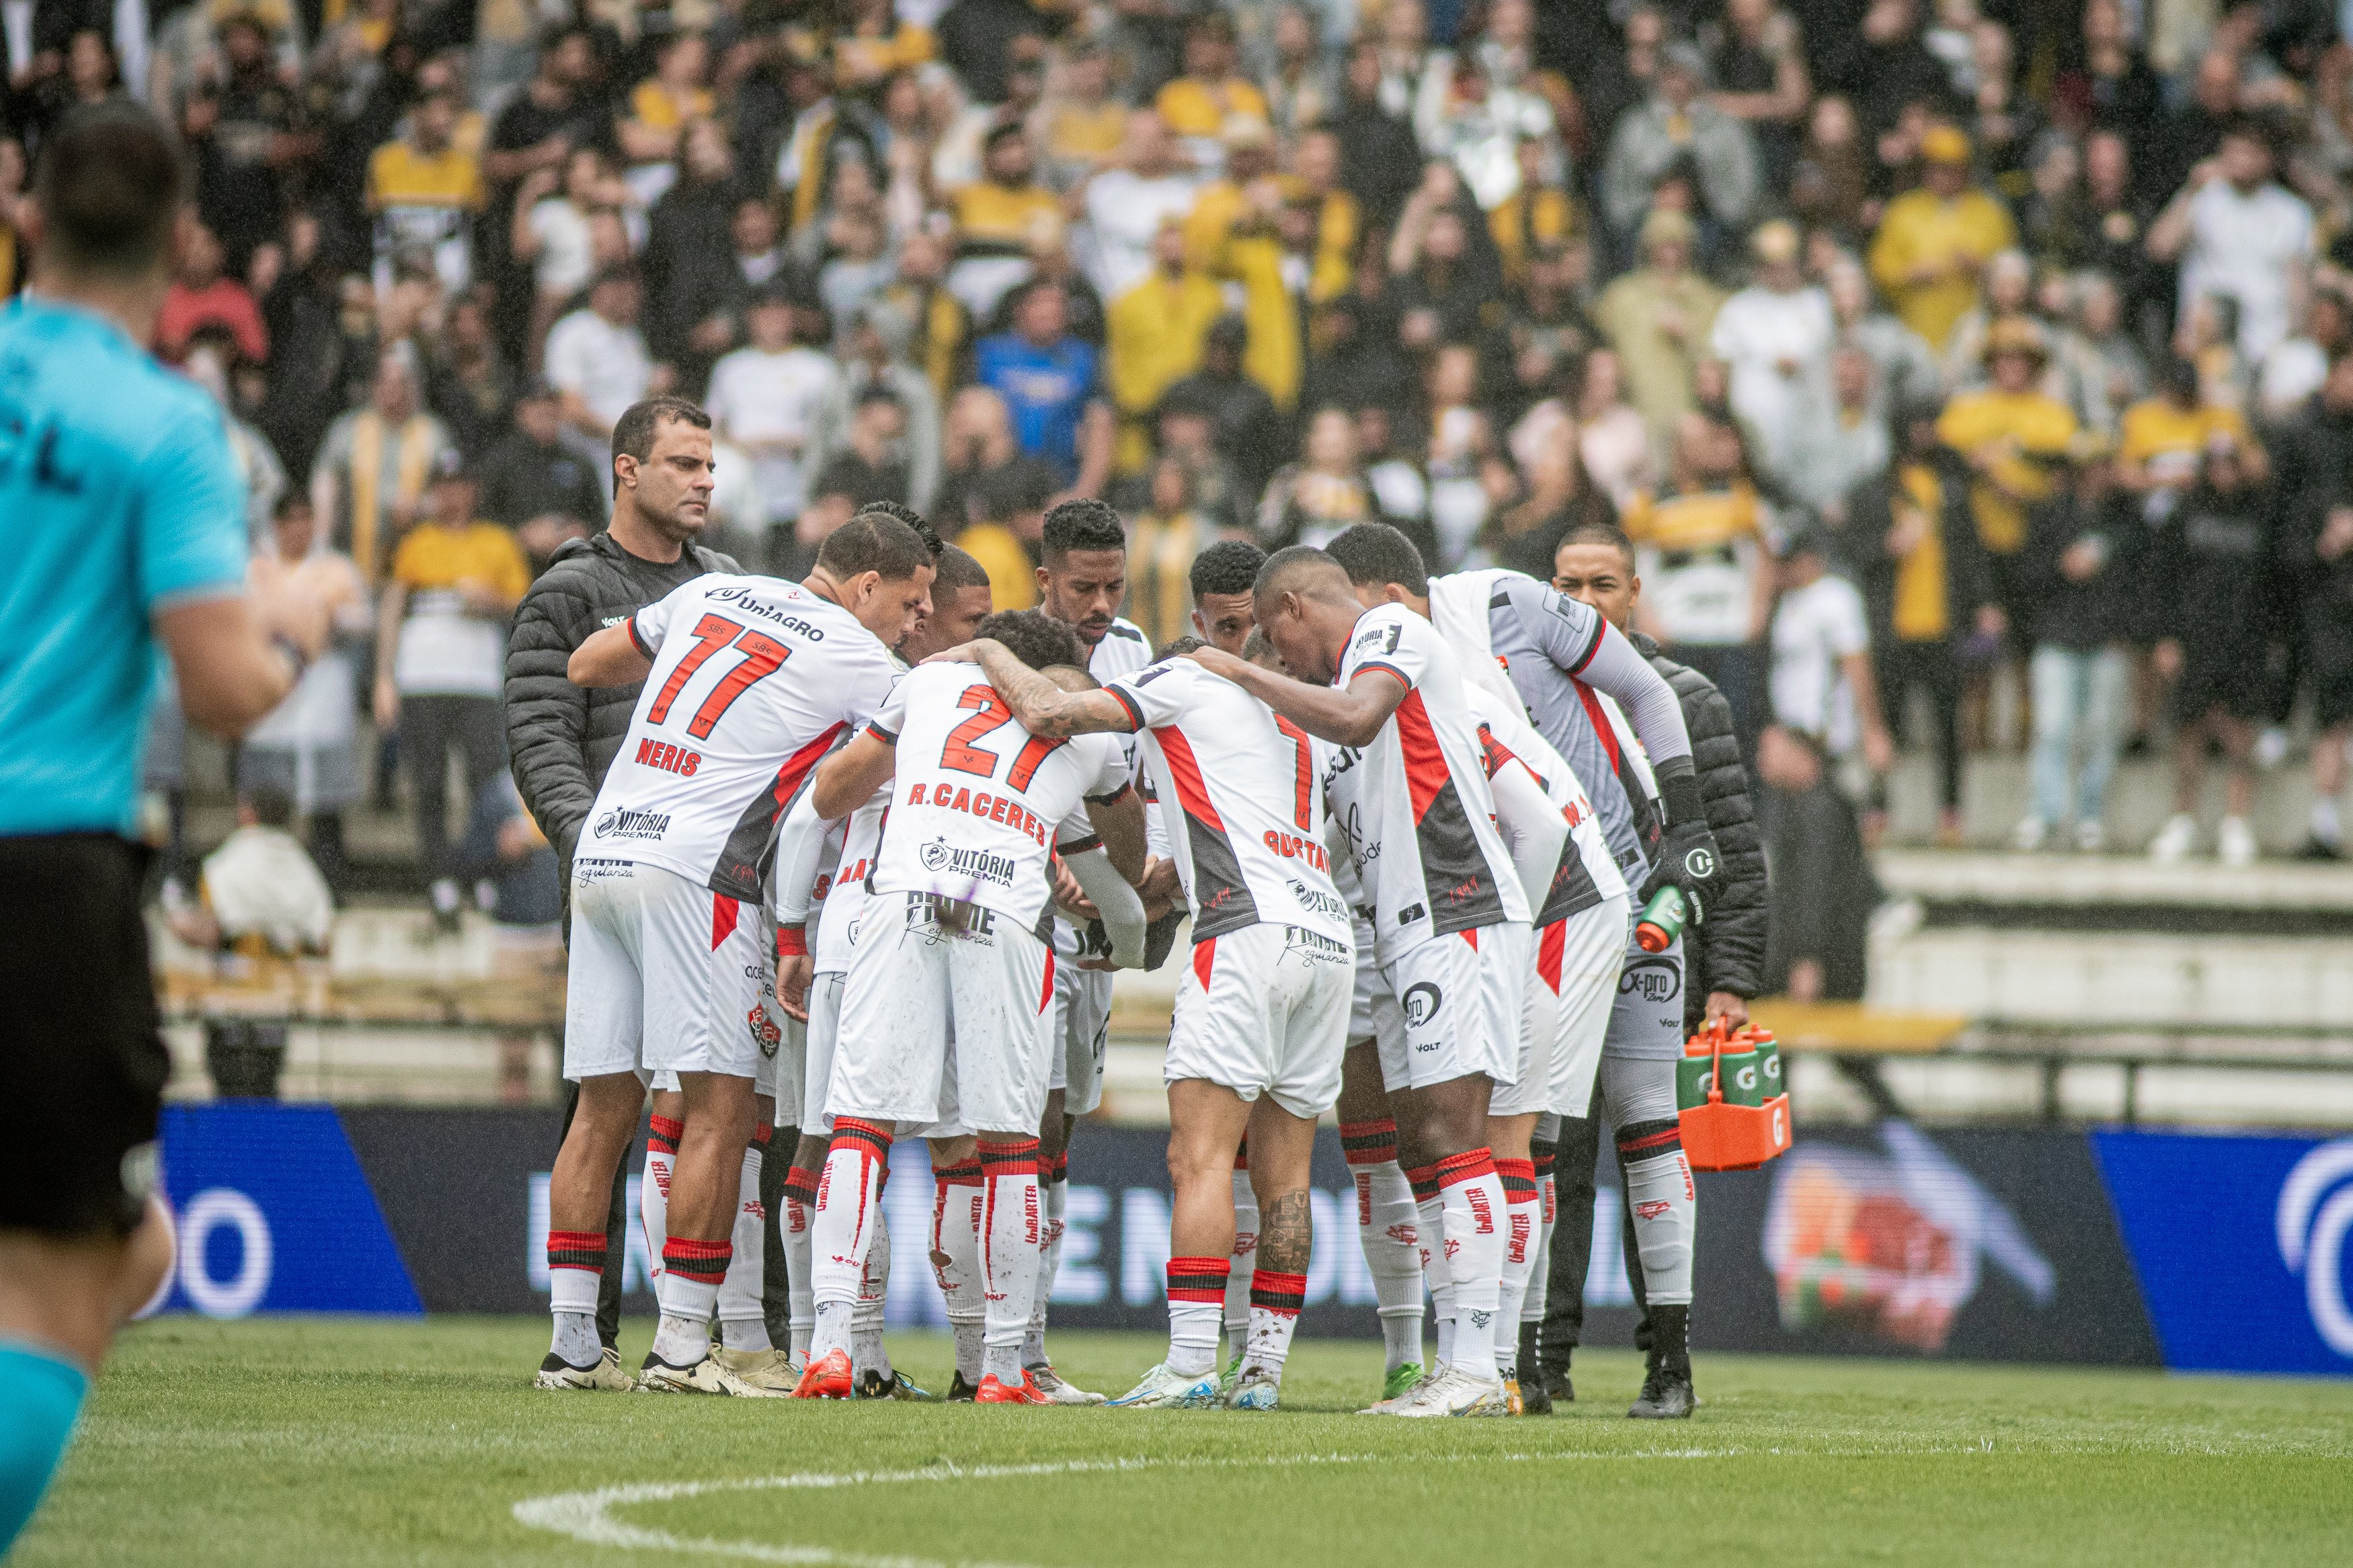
[1652, 979]
[1421, 1004]
[982, 864]
[2313, 1219]
[632, 822]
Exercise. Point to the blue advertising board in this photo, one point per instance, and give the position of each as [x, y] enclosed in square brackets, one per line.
[274, 1215]
[2239, 1243]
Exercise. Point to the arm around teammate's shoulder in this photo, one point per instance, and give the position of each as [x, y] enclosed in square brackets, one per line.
[1351, 717]
[1037, 704]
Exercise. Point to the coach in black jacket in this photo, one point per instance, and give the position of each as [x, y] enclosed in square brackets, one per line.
[562, 738]
[1723, 956]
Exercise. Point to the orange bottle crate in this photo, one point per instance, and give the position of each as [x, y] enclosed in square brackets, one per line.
[1720, 1134]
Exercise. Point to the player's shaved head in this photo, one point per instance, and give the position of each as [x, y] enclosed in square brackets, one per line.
[1304, 571]
[1036, 638]
[1376, 555]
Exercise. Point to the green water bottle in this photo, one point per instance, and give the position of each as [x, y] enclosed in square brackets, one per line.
[1663, 921]
[1744, 1080]
[1770, 1082]
[1691, 1081]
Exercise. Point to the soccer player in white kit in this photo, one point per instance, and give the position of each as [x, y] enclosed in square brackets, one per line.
[956, 938]
[1411, 796]
[821, 900]
[749, 682]
[1261, 1008]
[1082, 580]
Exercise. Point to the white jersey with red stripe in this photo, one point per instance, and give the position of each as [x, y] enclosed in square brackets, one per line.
[1414, 804]
[841, 897]
[1588, 875]
[976, 799]
[1123, 650]
[753, 680]
[1244, 799]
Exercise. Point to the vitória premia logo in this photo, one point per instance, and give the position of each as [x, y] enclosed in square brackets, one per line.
[980, 865]
[632, 822]
[2314, 1218]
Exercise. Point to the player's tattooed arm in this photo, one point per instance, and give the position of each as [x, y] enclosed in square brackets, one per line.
[1349, 718]
[1038, 705]
[1286, 1234]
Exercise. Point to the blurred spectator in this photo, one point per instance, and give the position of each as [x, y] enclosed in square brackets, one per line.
[1922, 572]
[201, 296]
[2209, 580]
[2012, 437]
[1130, 204]
[660, 109]
[1821, 889]
[440, 659]
[1843, 444]
[1935, 240]
[876, 360]
[1678, 130]
[1010, 530]
[2239, 236]
[1052, 387]
[2087, 549]
[1245, 425]
[2315, 486]
[597, 362]
[424, 190]
[307, 748]
[1317, 500]
[375, 464]
[1556, 499]
[1206, 101]
[535, 485]
[995, 217]
[1775, 336]
[1163, 542]
[1379, 160]
[1659, 318]
[1159, 328]
[1700, 544]
[505, 855]
[766, 401]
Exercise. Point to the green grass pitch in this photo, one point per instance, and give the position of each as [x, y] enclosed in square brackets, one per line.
[334, 1441]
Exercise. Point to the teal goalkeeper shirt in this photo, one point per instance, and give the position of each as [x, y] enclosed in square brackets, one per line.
[118, 499]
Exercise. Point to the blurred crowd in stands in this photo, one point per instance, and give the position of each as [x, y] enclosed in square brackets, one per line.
[1965, 374]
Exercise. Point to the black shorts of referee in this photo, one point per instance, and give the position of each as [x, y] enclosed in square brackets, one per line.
[81, 1048]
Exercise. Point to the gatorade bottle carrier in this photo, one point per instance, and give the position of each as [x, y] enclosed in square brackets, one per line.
[1733, 1109]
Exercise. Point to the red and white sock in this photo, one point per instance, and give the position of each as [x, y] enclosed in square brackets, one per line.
[1429, 1243]
[1471, 1197]
[692, 1273]
[653, 1190]
[743, 1315]
[1387, 1228]
[1054, 1190]
[1012, 1226]
[1275, 1300]
[866, 1349]
[956, 1203]
[849, 1196]
[796, 1227]
[1520, 1220]
[1197, 1304]
[1659, 1190]
[575, 1268]
[1244, 1263]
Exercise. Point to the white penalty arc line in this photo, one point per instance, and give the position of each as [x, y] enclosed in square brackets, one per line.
[586, 1517]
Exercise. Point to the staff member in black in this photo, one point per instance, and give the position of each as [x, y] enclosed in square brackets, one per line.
[562, 737]
[1724, 958]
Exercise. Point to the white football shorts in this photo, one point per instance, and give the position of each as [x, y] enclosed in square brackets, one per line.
[1463, 996]
[1264, 1010]
[1082, 1035]
[910, 975]
[666, 976]
[1589, 958]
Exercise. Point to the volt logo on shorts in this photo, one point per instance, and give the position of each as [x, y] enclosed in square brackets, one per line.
[632, 822]
[1421, 1002]
[981, 865]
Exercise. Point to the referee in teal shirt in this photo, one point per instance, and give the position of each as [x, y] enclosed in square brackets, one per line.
[122, 527]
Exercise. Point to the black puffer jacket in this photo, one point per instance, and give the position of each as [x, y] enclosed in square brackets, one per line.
[562, 737]
[1727, 953]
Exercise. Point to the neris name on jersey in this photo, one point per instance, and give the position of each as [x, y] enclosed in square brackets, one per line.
[669, 758]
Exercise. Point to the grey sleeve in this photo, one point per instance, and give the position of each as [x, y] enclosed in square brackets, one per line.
[1615, 668]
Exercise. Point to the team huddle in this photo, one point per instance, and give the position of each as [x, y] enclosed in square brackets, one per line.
[870, 853]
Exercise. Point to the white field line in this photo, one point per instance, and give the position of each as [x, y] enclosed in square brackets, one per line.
[586, 1517]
